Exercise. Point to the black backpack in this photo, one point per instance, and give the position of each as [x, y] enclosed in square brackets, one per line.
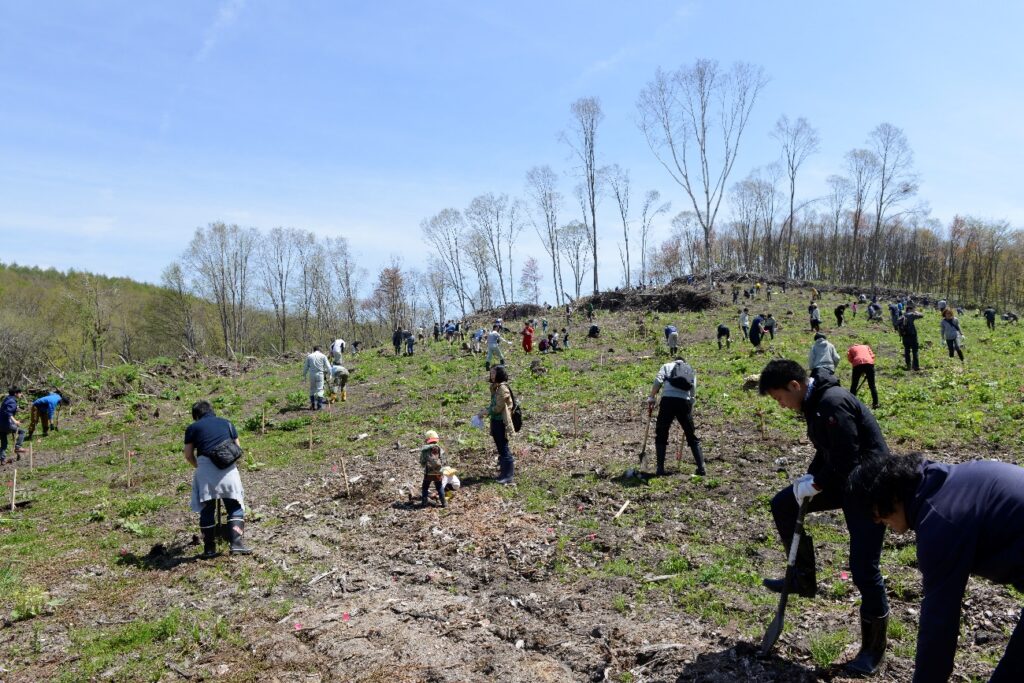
[680, 381]
[902, 326]
[517, 412]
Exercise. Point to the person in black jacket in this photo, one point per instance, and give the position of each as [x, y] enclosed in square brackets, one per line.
[969, 519]
[843, 432]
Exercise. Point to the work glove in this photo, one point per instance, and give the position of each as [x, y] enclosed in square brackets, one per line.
[650, 403]
[804, 488]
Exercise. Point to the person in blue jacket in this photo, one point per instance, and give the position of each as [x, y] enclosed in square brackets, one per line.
[969, 520]
[844, 433]
[43, 410]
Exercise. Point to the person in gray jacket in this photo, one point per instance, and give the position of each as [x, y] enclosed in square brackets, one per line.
[951, 333]
[680, 383]
[822, 355]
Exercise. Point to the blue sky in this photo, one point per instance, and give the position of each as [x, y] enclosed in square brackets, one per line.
[125, 125]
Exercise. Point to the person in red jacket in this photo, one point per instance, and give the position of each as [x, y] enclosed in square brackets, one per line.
[527, 337]
[862, 358]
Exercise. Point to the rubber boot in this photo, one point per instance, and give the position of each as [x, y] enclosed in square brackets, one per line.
[698, 457]
[806, 581]
[209, 542]
[872, 646]
[660, 472]
[344, 395]
[236, 530]
[312, 402]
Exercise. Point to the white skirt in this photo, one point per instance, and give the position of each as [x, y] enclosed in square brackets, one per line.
[209, 482]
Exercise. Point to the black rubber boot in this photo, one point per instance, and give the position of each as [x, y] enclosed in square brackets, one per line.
[236, 530]
[209, 542]
[805, 583]
[698, 457]
[312, 402]
[872, 646]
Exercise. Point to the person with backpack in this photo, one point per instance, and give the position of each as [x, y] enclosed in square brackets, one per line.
[680, 389]
[844, 434]
[502, 424]
[968, 520]
[316, 368]
[908, 332]
[951, 334]
[204, 440]
[815, 317]
[43, 410]
[990, 318]
[723, 333]
[10, 425]
[862, 358]
[822, 355]
[433, 459]
[745, 323]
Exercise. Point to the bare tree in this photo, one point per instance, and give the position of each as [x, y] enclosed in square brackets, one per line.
[221, 257]
[529, 281]
[693, 120]
[896, 179]
[515, 218]
[650, 210]
[277, 254]
[436, 284]
[348, 277]
[574, 238]
[799, 140]
[446, 232]
[488, 218]
[541, 183]
[618, 181]
[389, 300]
[862, 169]
[839, 190]
[587, 115]
[180, 311]
[478, 253]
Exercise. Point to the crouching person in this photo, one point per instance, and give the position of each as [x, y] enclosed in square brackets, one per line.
[844, 434]
[969, 520]
[204, 442]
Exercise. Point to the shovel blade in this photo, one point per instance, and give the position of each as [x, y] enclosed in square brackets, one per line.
[771, 636]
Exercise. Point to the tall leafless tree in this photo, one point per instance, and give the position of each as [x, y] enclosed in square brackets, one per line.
[618, 182]
[574, 238]
[896, 179]
[541, 188]
[180, 310]
[798, 140]
[488, 216]
[348, 276]
[693, 119]
[582, 139]
[862, 171]
[277, 256]
[651, 209]
[839, 190]
[446, 232]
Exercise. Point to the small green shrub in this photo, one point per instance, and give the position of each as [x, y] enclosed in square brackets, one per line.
[826, 647]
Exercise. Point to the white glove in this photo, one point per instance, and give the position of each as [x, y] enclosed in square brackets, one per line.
[804, 488]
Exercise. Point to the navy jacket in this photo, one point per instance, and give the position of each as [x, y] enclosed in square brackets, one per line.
[8, 407]
[969, 519]
[842, 430]
[208, 432]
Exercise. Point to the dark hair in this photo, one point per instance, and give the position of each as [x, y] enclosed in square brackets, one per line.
[818, 336]
[500, 374]
[316, 348]
[882, 481]
[778, 373]
[66, 400]
[201, 408]
[14, 390]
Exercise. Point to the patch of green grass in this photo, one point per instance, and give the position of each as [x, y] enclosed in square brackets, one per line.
[142, 504]
[620, 604]
[826, 647]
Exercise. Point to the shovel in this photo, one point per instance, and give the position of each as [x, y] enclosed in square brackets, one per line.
[643, 451]
[775, 628]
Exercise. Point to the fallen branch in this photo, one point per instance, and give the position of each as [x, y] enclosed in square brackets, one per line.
[621, 510]
[318, 577]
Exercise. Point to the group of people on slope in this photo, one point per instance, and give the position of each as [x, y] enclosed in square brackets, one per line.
[327, 377]
[549, 341]
[42, 412]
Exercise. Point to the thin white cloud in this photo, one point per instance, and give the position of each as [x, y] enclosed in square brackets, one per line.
[227, 13]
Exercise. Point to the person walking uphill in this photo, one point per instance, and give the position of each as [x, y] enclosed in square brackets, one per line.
[207, 436]
[10, 425]
[680, 383]
[316, 367]
[951, 333]
[862, 358]
[43, 411]
[502, 429]
[969, 520]
[844, 434]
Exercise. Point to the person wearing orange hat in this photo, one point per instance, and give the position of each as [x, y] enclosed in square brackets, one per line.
[433, 459]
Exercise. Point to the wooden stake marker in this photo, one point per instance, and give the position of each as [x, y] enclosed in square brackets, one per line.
[311, 437]
[14, 488]
[31, 459]
[263, 422]
[344, 473]
[130, 454]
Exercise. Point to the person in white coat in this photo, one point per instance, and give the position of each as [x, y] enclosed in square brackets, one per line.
[337, 348]
[316, 368]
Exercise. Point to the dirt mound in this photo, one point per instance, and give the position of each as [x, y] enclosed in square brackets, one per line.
[674, 297]
[514, 312]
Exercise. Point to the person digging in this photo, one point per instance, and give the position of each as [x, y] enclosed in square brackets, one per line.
[680, 383]
[844, 434]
